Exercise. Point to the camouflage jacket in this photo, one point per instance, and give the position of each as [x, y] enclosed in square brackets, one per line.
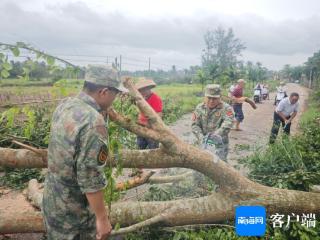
[76, 156]
[218, 120]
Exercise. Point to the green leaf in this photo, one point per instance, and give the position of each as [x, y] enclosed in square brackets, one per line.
[39, 55]
[5, 73]
[50, 60]
[7, 66]
[117, 227]
[15, 51]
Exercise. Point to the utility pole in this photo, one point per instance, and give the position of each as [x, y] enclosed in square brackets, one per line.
[310, 78]
[120, 63]
[116, 62]
[149, 66]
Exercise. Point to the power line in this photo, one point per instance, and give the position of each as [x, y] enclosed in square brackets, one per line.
[123, 58]
[108, 57]
[85, 60]
[134, 64]
[85, 55]
[147, 64]
[136, 60]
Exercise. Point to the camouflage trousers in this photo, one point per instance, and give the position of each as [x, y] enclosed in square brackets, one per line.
[66, 212]
[84, 234]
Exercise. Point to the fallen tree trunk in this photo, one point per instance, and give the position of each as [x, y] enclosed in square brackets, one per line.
[34, 193]
[214, 208]
[234, 189]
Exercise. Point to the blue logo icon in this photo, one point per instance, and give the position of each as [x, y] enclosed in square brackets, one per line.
[250, 220]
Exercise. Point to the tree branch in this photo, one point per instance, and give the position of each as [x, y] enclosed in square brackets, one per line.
[135, 182]
[41, 152]
[154, 120]
[156, 219]
[133, 127]
[34, 193]
[167, 138]
[169, 179]
[26, 47]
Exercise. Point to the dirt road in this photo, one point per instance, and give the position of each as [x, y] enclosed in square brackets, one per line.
[256, 126]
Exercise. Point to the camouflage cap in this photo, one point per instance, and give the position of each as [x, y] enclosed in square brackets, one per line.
[105, 76]
[213, 90]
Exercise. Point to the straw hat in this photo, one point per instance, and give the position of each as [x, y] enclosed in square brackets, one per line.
[143, 83]
[241, 80]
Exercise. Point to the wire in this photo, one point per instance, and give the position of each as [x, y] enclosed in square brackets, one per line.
[128, 60]
[84, 55]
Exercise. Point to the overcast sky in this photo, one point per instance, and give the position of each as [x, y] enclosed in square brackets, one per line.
[275, 32]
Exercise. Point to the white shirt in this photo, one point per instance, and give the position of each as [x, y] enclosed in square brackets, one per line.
[231, 88]
[264, 90]
[281, 89]
[286, 108]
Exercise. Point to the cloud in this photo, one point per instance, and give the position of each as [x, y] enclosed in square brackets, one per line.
[75, 28]
[279, 38]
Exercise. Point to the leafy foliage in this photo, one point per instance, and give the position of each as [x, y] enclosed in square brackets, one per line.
[29, 125]
[43, 66]
[18, 178]
[219, 57]
[290, 163]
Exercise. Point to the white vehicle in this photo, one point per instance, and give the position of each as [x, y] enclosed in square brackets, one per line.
[281, 93]
[257, 95]
[265, 93]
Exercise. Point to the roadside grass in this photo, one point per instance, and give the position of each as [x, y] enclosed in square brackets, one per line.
[292, 162]
[313, 110]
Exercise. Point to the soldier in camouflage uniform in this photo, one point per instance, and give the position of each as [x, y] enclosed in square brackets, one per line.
[73, 204]
[213, 118]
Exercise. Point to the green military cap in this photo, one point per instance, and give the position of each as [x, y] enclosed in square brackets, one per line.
[212, 90]
[105, 76]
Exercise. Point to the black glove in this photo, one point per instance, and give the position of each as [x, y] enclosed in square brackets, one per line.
[215, 138]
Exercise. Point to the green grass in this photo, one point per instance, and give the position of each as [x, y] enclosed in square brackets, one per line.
[178, 99]
[313, 111]
[14, 82]
[178, 89]
[293, 162]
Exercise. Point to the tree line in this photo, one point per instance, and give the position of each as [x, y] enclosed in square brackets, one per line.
[308, 73]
